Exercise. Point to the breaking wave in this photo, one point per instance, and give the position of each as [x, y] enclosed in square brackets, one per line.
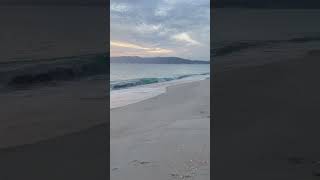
[115, 85]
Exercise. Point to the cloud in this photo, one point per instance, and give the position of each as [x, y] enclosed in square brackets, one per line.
[160, 51]
[184, 37]
[148, 28]
[126, 45]
[119, 7]
[115, 45]
[173, 26]
[162, 10]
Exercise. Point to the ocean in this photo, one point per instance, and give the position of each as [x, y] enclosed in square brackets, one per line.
[131, 83]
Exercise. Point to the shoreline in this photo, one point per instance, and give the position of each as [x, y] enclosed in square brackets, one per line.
[154, 90]
[52, 95]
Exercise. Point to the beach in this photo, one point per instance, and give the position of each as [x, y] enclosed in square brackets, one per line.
[164, 137]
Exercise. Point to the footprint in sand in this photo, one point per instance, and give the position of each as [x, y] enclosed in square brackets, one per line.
[141, 163]
[113, 169]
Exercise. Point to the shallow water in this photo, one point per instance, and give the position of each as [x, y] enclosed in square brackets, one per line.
[131, 83]
[131, 75]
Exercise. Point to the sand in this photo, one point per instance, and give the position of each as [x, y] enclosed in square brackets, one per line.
[165, 137]
[266, 119]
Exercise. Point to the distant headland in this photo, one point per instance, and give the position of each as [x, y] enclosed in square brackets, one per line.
[154, 60]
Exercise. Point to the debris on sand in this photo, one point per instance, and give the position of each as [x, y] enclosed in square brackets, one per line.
[139, 163]
[113, 169]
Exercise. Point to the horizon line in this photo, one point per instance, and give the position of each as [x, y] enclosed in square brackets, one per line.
[161, 57]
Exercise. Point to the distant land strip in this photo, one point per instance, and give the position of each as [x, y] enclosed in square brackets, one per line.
[154, 60]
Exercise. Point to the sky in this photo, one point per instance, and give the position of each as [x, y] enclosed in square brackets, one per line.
[179, 28]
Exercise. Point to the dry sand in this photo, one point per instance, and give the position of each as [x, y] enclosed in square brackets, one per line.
[165, 137]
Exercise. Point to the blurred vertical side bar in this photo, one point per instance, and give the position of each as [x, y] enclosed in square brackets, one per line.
[54, 90]
[265, 96]
[212, 10]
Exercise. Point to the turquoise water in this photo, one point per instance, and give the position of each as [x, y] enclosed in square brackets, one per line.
[131, 75]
